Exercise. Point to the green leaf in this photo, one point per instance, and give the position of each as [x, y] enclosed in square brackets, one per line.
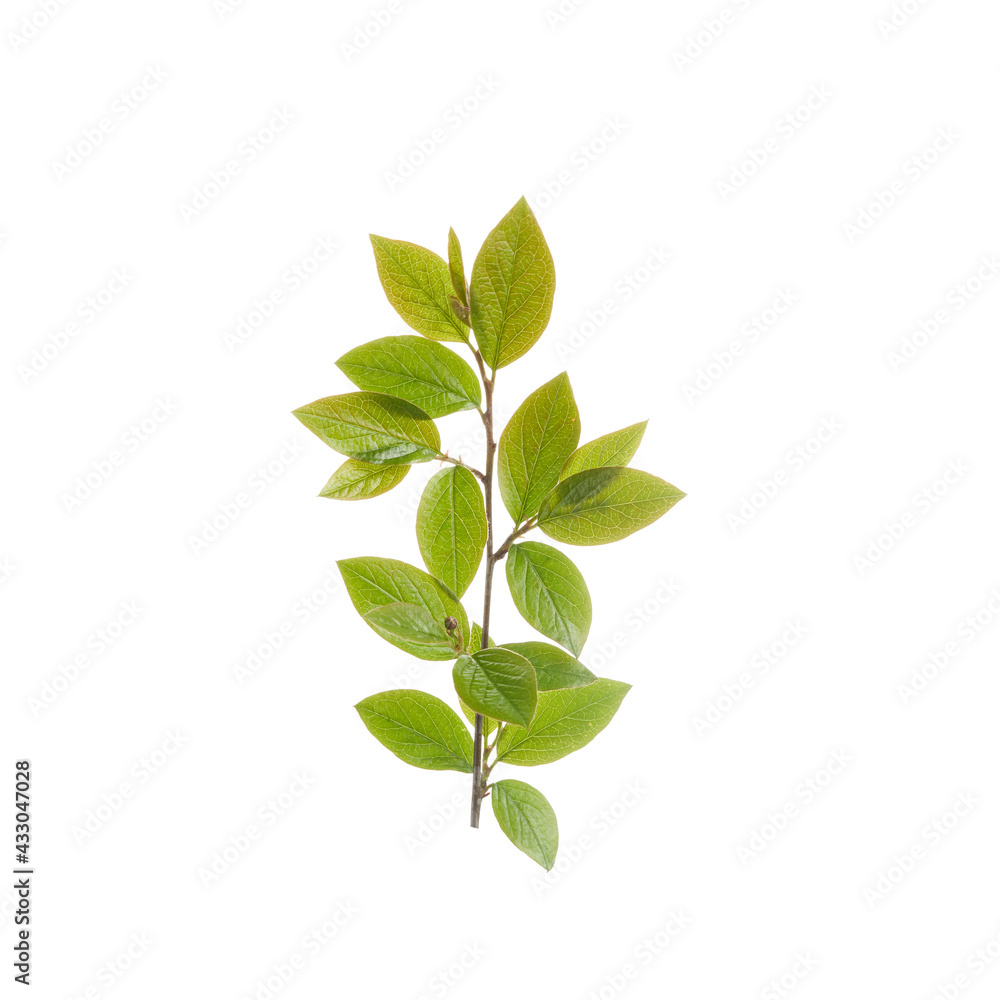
[535, 445]
[451, 527]
[419, 729]
[417, 283]
[413, 624]
[488, 724]
[356, 480]
[498, 683]
[457, 268]
[616, 448]
[373, 427]
[373, 582]
[564, 721]
[422, 372]
[525, 815]
[604, 505]
[554, 667]
[513, 282]
[550, 593]
[476, 638]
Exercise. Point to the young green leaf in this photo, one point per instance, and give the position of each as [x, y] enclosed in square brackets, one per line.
[535, 445]
[373, 427]
[476, 638]
[564, 721]
[497, 683]
[550, 593]
[554, 667]
[419, 729]
[525, 815]
[356, 480]
[457, 268]
[616, 448]
[488, 724]
[417, 283]
[422, 372]
[604, 505]
[413, 624]
[451, 527]
[512, 286]
[373, 582]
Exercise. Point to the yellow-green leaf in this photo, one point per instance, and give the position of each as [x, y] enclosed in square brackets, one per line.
[534, 446]
[564, 721]
[356, 480]
[419, 729]
[524, 814]
[372, 582]
[550, 593]
[373, 427]
[422, 372]
[513, 283]
[498, 683]
[417, 283]
[616, 448]
[604, 505]
[451, 527]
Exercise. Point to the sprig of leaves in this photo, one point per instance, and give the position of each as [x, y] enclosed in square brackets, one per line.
[529, 702]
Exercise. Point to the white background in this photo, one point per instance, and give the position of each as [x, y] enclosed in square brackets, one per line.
[620, 149]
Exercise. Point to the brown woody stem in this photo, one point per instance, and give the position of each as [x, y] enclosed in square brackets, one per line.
[478, 777]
